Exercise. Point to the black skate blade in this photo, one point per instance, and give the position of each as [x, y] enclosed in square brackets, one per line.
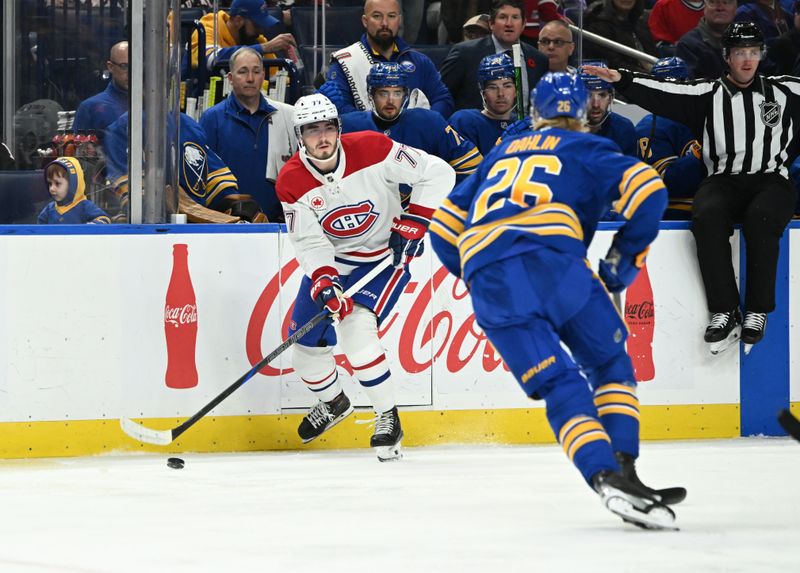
[723, 345]
[656, 517]
[671, 495]
[789, 423]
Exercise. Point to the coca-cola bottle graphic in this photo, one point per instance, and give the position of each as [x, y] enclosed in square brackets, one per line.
[180, 323]
[640, 316]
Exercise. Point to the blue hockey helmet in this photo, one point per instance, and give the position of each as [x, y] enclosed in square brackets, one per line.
[673, 68]
[387, 75]
[495, 67]
[559, 94]
[593, 83]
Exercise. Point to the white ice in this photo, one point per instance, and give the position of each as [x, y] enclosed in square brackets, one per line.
[441, 509]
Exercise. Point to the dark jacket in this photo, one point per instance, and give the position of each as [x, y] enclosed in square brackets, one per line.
[633, 32]
[701, 49]
[460, 70]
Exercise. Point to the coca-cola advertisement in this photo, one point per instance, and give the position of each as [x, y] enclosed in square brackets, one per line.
[180, 323]
[640, 316]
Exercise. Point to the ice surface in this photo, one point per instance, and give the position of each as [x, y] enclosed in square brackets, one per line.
[441, 509]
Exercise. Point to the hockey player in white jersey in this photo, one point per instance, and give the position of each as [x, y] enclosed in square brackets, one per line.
[341, 198]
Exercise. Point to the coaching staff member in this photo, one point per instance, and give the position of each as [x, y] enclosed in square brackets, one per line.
[746, 123]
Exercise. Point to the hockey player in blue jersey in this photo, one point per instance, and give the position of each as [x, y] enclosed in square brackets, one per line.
[601, 120]
[671, 149]
[517, 233]
[388, 89]
[496, 84]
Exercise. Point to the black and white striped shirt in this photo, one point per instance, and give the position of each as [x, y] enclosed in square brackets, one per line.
[749, 130]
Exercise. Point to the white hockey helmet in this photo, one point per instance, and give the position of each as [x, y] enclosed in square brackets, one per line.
[311, 109]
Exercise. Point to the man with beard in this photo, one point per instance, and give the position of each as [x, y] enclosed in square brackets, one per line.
[243, 25]
[346, 81]
[601, 120]
[496, 83]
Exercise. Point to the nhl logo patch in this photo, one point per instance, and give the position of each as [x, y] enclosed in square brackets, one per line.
[770, 113]
[317, 202]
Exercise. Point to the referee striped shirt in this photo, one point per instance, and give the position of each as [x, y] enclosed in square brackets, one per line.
[743, 130]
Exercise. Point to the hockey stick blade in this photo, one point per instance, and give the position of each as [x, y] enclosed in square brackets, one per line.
[166, 437]
[789, 423]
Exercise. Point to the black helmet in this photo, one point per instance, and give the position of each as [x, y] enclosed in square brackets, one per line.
[741, 34]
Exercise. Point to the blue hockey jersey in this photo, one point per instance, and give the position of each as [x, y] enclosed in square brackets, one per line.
[423, 129]
[668, 147]
[548, 188]
[479, 128]
[75, 208]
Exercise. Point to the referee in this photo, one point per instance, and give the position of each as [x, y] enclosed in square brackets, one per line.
[746, 123]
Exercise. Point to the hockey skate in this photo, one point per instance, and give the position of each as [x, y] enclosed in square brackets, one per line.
[631, 503]
[667, 495]
[723, 331]
[753, 327]
[323, 416]
[387, 435]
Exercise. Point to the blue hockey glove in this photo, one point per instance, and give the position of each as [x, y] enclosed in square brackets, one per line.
[406, 237]
[617, 270]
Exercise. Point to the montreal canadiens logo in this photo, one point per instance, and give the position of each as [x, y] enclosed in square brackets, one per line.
[350, 220]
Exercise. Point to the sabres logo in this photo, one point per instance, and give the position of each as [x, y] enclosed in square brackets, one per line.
[350, 221]
[194, 168]
[409, 66]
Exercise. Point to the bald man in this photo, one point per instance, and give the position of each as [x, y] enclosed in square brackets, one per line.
[346, 81]
[101, 110]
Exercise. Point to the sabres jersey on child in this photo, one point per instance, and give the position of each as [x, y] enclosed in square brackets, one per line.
[75, 208]
[343, 219]
[479, 128]
[524, 196]
[422, 129]
[675, 154]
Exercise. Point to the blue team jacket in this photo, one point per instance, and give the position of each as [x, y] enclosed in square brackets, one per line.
[101, 110]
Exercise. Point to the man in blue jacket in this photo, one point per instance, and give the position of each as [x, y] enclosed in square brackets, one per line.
[101, 110]
[238, 130]
[346, 81]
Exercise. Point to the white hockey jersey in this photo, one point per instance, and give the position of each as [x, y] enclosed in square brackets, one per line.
[344, 218]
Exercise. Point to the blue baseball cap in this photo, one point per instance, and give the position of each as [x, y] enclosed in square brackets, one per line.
[254, 10]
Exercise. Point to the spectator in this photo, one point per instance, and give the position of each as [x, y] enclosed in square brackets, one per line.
[623, 21]
[671, 148]
[476, 27]
[455, 12]
[768, 15]
[387, 86]
[671, 19]
[250, 134]
[556, 42]
[346, 81]
[538, 13]
[485, 126]
[243, 25]
[103, 109]
[701, 48]
[202, 176]
[67, 187]
[785, 50]
[600, 119]
[747, 159]
[460, 68]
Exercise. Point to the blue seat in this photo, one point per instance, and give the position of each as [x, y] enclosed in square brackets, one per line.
[437, 53]
[343, 25]
[22, 194]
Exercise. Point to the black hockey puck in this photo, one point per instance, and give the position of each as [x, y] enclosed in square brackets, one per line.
[175, 463]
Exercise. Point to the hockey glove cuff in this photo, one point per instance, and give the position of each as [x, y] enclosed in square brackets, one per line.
[618, 270]
[327, 293]
[406, 238]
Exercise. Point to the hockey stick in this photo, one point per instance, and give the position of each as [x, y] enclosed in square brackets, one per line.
[165, 437]
[516, 51]
[790, 424]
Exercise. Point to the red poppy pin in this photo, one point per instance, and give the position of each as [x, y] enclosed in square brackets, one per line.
[531, 63]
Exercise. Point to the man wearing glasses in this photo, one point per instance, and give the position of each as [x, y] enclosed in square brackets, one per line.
[101, 110]
[555, 42]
